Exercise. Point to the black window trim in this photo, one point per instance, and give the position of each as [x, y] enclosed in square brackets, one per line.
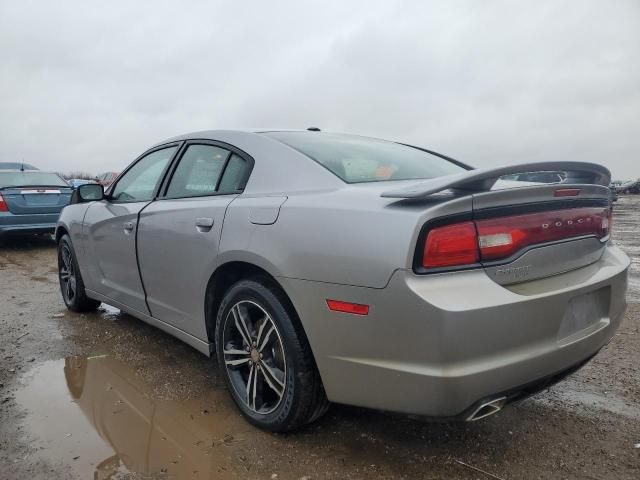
[156, 190]
[162, 192]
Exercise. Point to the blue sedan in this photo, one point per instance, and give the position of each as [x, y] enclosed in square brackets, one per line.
[31, 201]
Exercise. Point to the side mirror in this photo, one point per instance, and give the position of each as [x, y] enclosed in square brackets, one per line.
[89, 192]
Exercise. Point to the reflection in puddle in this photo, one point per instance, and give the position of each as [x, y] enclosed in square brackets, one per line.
[109, 311]
[95, 415]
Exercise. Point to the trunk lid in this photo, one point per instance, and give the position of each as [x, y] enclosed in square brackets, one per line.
[524, 230]
[567, 232]
[36, 199]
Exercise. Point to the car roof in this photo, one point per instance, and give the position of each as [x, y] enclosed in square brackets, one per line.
[26, 170]
[217, 134]
[25, 166]
[17, 170]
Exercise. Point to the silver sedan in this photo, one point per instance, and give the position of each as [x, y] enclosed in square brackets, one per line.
[321, 268]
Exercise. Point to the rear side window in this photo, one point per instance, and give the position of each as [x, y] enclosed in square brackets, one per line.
[198, 172]
[359, 159]
[207, 170]
[234, 174]
[31, 179]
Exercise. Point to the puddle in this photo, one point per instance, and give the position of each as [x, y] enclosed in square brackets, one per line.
[97, 417]
[626, 216]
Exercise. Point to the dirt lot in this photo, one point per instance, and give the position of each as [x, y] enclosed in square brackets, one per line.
[106, 396]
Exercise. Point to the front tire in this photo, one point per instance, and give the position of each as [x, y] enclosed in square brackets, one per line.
[265, 358]
[71, 284]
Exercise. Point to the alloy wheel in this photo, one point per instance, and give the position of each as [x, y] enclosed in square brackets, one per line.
[254, 357]
[67, 274]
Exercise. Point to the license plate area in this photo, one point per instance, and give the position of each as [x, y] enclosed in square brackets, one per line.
[41, 198]
[39, 192]
[584, 315]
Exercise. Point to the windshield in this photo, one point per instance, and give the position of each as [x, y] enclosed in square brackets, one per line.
[359, 159]
[31, 179]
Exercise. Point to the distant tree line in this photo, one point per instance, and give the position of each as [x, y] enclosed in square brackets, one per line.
[82, 175]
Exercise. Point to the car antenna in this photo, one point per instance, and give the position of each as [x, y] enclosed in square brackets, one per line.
[313, 129]
[22, 166]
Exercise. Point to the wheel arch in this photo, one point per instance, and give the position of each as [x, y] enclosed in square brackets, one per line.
[227, 274]
[61, 230]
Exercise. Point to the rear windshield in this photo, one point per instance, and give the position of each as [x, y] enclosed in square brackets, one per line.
[31, 179]
[360, 159]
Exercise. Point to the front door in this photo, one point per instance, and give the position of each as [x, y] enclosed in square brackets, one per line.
[179, 233]
[111, 226]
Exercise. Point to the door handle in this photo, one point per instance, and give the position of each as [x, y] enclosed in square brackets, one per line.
[204, 224]
[128, 227]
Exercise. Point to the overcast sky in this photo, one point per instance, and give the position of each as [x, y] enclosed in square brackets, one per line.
[89, 85]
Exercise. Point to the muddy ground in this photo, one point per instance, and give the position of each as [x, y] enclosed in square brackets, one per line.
[106, 396]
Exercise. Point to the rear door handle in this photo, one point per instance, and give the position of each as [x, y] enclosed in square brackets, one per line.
[128, 227]
[204, 224]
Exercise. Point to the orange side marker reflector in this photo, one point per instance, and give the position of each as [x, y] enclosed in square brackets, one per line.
[566, 192]
[348, 307]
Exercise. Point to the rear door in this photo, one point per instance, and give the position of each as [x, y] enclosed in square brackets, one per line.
[110, 227]
[179, 233]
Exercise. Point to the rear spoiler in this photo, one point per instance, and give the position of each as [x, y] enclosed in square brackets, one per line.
[481, 180]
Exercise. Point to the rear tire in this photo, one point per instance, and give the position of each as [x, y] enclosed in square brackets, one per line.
[71, 284]
[272, 378]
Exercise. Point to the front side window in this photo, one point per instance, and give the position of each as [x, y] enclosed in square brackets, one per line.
[360, 159]
[139, 183]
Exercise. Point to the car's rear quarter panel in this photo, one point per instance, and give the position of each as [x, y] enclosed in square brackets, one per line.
[346, 236]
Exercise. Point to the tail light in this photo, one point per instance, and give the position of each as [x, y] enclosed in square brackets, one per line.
[496, 239]
[451, 245]
[502, 237]
[3, 204]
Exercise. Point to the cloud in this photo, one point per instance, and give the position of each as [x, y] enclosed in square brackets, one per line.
[89, 86]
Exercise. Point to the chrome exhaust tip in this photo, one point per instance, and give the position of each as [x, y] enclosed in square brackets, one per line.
[487, 409]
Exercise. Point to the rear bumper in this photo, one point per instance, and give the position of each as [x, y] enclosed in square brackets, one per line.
[41, 223]
[436, 345]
